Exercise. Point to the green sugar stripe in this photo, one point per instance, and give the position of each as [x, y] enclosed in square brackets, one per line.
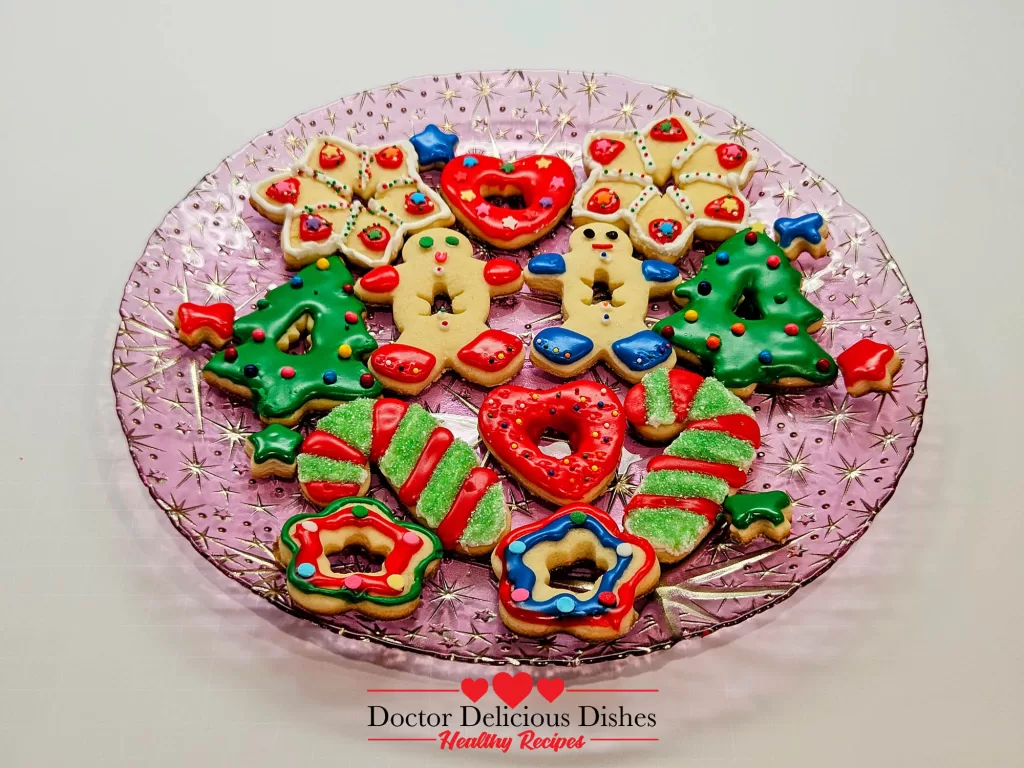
[672, 530]
[320, 468]
[714, 399]
[352, 422]
[451, 472]
[675, 482]
[708, 445]
[406, 445]
[658, 398]
[488, 519]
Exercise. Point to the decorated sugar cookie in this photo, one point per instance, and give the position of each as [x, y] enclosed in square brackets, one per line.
[513, 419]
[530, 605]
[313, 313]
[440, 262]
[745, 321]
[681, 495]
[362, 201]
[666, 402]
[436, 476]
[804, 234]
[595, 329]
[868, 366]
[272, 451]
[629, 171]
[411, 554]
[508, 203]
[211, 324]
[759, 514]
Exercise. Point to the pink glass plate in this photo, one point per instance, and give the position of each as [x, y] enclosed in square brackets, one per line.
[839, 458]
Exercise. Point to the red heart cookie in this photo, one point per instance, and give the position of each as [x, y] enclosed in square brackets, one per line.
[510, 204]
[512, 421]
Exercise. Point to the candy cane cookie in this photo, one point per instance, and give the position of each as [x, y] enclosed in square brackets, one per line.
[440, 262]
[528, 603]
[679, 499]
[411, 554]
[436, 476]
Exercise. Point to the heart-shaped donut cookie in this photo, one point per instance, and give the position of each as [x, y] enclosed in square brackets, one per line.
[513, 419]
[508, 204]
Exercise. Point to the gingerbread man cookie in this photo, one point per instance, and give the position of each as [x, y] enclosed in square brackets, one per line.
[611, 330]
[440, 262]
[341, 196]
[629, 171]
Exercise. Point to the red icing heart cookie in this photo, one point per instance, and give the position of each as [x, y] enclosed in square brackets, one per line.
[513, 419]
[481, 191]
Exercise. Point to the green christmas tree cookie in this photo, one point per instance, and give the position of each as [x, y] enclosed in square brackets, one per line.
[302, 349]
[745, 321]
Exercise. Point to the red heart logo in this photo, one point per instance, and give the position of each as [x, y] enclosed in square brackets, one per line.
[474, 689]
[512, 421]
[550, 688]
[512, 690]
[506, 201]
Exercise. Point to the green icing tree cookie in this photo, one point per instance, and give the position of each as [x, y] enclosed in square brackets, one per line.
[313, 313]
[745, 320]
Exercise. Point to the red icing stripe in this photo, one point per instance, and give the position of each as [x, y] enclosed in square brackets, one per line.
[473, 489]
[699, 506]
[733, 476]
[737, 425]
[323, 493]
[683, 385]
[320, 443]
[434, 449]
[387, 413]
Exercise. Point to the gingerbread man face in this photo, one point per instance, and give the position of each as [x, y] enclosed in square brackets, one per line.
[605, 292]
[439, 262]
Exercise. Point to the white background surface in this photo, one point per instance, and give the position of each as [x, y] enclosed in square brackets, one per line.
[120, 646]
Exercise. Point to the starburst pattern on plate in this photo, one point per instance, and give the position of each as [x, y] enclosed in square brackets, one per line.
[838, 458]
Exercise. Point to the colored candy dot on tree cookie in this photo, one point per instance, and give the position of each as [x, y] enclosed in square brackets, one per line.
[529, 604]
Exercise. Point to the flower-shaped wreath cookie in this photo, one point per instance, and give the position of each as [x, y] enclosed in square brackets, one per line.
[411, 553]
[362, 201]
[630, 168]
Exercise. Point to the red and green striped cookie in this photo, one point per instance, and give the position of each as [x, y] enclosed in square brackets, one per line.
[681, 496]
[436, 476]
[664, 400]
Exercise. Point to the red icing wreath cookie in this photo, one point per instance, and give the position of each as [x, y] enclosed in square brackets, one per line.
[513, 419]
[509, 204]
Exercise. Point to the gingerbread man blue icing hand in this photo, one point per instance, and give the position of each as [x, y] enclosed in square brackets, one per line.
[596, 328]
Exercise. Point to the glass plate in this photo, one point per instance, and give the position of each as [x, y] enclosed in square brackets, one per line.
[839, 458]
